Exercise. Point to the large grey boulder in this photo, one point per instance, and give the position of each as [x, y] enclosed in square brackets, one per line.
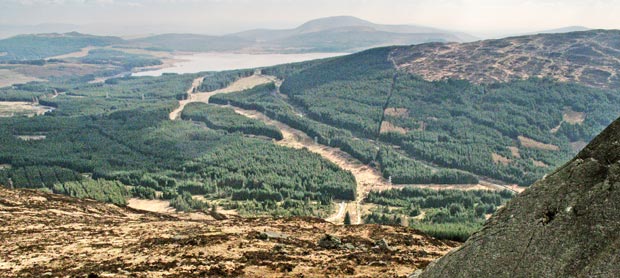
[565, 225]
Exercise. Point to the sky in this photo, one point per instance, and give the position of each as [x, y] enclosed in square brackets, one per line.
[484, 18]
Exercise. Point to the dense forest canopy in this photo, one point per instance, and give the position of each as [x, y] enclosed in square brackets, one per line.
[103, 137]
[112, 140]
[455, 123]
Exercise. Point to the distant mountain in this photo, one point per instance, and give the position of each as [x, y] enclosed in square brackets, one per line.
[339, 22]
[589, 57]
[567, 29]
[332, 34]
[39, 46]
[7, 31]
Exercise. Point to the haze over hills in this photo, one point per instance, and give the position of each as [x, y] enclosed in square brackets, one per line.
[332, 34]
[566, 29]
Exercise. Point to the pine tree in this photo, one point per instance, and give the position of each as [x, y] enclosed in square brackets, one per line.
[347, 219]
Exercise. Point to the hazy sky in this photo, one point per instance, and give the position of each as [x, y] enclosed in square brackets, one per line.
[220, 16]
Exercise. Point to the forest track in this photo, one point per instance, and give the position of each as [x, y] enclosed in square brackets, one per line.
[241, 84]
[190, 93]
[367, 178]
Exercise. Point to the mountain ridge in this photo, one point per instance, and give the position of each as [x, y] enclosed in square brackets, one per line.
[586, 57]
[353, 34]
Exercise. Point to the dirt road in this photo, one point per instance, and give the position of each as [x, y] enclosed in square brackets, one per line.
[239, 85]
[367, 178]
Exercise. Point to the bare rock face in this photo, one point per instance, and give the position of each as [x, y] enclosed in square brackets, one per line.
[565, 225]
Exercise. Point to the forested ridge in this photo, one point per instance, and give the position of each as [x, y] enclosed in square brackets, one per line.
[225, 118]
[109, 141]
[454, 123]
[402, 169]
[447, 214]
[114, 139]
[33, 47]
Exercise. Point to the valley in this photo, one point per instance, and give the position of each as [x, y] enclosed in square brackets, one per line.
[367, 177]
[356, 135]
[271, 139]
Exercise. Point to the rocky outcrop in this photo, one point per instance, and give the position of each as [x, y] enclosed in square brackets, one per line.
[565, 225]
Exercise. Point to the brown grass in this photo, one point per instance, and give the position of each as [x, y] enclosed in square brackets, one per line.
[533, 144]
[539, 163]
[573, 117]
[515, 152]
[389, 127]
[9, 78]
[20, 108]
[397, 112]
[78, 54]
[497, 159]
[159, 206]
[69, 237]
[570, 117]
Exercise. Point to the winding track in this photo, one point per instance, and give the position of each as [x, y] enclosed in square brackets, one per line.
[367, 178]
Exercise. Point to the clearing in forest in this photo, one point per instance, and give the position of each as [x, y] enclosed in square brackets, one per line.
[21, 108]
[531, 143]
[396, 112]
[239, 85]
[9, 78]
[389, 127]
[497, 159]
[515, 152]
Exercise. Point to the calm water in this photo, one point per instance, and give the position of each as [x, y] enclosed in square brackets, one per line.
[229, 61]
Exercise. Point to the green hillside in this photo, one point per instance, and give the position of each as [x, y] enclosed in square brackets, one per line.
[119, 131]
[454, 123]
[34, 47]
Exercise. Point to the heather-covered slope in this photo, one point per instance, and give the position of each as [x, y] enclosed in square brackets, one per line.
[566, 225]
[48, 235]
[589, 58]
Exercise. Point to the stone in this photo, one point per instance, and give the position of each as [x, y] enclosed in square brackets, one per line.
[329, 242]
[383, 245]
